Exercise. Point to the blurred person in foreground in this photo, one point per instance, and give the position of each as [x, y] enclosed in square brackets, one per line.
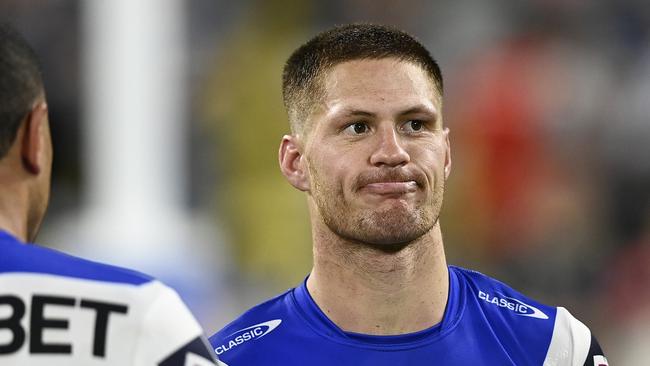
[56, 309]
[369, 149]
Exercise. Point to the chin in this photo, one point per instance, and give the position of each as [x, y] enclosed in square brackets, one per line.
[392, 228]
[392, 235]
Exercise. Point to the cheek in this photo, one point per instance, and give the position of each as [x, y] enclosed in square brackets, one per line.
[332, 164]
[431, 159]
[333, 179]
[336, 174]
[323, 172]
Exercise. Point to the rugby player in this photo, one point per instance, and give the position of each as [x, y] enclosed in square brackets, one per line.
[369, 148]
[56, 309]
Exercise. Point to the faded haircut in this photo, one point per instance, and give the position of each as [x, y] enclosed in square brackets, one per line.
[306, 68]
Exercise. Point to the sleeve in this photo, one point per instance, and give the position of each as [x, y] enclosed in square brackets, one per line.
[596, 356]
[169, 335]
[572, 343]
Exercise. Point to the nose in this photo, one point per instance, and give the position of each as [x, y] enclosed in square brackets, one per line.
[390, 150]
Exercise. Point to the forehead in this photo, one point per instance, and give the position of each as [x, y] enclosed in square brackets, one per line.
[383, 84]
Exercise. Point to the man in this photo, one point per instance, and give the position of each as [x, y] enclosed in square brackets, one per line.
[369, 149]
[57, 309]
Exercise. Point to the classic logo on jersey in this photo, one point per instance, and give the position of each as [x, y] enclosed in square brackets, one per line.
[253, 332]
[512, 304]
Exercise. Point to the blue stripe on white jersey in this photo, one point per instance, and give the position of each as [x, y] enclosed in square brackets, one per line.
[18, 257]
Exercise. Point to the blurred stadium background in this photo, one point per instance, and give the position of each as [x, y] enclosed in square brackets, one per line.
[166, 117]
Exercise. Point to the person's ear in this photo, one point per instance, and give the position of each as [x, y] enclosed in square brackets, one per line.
[34, 145]
[447, 154]
[292, 163]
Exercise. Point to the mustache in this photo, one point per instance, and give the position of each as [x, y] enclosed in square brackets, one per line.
[389, 175]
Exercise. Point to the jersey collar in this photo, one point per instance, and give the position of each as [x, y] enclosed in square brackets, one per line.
[321, 324]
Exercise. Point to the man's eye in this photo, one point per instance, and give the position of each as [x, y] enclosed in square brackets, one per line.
[358, 128]
[413, 125]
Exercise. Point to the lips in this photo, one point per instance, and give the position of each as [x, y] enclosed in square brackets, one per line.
[390, 182]
[391, 188]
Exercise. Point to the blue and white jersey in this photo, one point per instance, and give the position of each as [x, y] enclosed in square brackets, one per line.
[59, 310]
[485, 323]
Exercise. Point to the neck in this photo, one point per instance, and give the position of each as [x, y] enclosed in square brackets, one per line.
[13, 206]
[406, 288]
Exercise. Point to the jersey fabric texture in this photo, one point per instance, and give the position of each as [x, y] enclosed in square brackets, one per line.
[57, 309]
[485, 323]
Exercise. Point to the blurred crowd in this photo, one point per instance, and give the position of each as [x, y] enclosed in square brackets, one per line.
[549, 110]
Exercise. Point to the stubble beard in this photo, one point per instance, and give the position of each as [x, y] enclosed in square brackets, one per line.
[386, 229]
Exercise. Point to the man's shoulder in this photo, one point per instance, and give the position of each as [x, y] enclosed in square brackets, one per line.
[138, 320]
[494, 296]
[257, 322]
[29, 259]
[573, 343]
[522, 326]
[525, 325]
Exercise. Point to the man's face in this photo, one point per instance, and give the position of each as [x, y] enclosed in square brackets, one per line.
[376, 154]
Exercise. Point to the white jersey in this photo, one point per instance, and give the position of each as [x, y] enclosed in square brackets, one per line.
[58, 310]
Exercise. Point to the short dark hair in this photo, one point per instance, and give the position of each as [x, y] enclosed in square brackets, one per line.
[306, 67]
[20, 83]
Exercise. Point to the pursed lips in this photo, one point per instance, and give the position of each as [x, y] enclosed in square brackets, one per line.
[390, 188]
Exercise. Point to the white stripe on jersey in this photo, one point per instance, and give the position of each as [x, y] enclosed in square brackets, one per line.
[570, 341]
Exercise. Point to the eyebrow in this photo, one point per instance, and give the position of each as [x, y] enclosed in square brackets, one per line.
[420, 109]
[415, 109]
[355, 112]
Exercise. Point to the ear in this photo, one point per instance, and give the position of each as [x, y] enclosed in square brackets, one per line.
[33, 149]
[447, 154]
[292, 163]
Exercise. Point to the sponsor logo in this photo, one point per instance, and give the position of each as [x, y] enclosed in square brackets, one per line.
[600, 361]
[27, 332]
[253, 332]
[516, 306]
